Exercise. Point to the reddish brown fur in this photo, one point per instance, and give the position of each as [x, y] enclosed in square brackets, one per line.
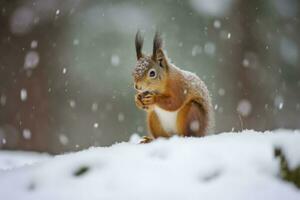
[190, 113]
[173, 98]
[171, 94]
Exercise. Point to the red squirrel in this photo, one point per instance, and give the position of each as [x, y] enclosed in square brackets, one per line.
[177, 102]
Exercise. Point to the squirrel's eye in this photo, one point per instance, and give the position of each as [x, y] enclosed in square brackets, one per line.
[152, 73]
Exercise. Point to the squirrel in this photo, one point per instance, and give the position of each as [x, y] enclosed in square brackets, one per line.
[177, 102]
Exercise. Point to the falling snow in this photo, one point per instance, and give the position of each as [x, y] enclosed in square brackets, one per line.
[23, 94]
[32, 59]
[244, 107]
[75, 42]
[229, 35]
[95, 125]
[121, 117]
[64, 71]
[63, 139]
[216, 107]
[72, 103]
[246, 63]
[34, 44]
[3, 141]
[210, 48]
[217, 24]
[94, 107]
[115, 60]
[196, 50]
[26, 134]
[195, 125]
[278, 102]
[221, 91]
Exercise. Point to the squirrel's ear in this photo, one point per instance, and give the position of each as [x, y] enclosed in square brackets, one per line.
[139, 40]
[157, 44]
[161, 58]
[158, 54]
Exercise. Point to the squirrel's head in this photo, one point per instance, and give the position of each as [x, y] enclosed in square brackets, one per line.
[151, 71]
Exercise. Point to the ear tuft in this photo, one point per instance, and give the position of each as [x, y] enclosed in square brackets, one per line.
[139, 40]
[157, 44]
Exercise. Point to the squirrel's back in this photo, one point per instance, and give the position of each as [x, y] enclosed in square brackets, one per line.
[197, 91]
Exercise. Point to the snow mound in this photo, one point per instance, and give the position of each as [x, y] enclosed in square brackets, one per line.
[15, 159]
[225, 166]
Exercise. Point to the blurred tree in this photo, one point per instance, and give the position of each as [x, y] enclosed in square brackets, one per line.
[25, 115]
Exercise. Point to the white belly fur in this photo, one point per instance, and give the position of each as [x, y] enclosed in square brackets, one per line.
[167, 119]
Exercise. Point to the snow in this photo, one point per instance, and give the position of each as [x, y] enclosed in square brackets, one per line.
[76, 42]
[229, 35]
[34, 44]
[244, 107]
[23, 94]
[64, 71]
[141, 67]
[278, 102]
[246, 63]
[96, 125]
[121, 117]
[196, 50]
[10, 160]
[3, 141]
[115, 60]
[32, 59]
[225, 166]
[195, 125]
[210, 48]
[94, 107]
[63, 139]
[221, 91]
[26, 133]
[72, 103]
[217, 24]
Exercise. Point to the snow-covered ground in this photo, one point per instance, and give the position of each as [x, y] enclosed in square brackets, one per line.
[225, 166]
[15, 159]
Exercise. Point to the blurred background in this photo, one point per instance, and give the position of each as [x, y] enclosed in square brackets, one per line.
[65, 66]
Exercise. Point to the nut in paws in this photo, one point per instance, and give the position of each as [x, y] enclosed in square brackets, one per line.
[147, 98]
[138, 101]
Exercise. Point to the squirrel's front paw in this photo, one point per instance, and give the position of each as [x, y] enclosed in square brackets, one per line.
[138, 101]
[147, 98]
[144, 100]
